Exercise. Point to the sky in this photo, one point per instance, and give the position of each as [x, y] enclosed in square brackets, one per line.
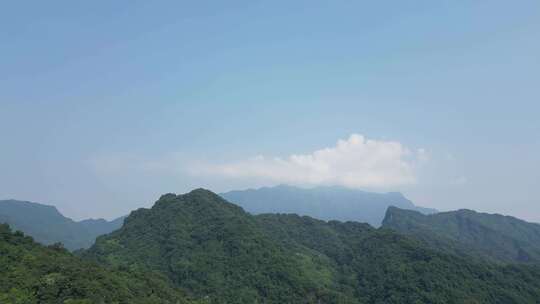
[106, 105]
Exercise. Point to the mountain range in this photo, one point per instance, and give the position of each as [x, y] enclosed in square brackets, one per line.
[468, 233]
[200, 248]
[325, 203]
[212, 249]
[48, 226]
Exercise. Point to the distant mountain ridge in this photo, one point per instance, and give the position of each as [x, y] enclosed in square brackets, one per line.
[325, 203]
[47, 225]
[466, 232]
[101, 226]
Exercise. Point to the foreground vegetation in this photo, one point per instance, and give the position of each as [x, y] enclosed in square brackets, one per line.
[31, 273]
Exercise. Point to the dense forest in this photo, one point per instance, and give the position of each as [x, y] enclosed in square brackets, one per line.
[494, 237]
[213, 250]
[33, 274]
[199, 248]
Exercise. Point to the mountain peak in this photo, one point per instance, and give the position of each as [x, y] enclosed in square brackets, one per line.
[167, 196]
[203, 192]
[198, 203]
[192, 193]
[12, 203]
[211, 249]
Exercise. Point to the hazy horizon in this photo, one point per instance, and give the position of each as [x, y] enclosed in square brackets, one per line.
[106, 106]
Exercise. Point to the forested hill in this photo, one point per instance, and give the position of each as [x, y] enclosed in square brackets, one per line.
[34, 274]
[48, 226]
[325, 203]
[210, 247]
[214, 250]
[469, 233]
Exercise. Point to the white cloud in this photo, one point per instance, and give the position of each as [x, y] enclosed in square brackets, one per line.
[355, 162]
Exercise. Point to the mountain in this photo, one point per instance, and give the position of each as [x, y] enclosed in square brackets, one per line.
[214, 250]
[48, 226]
[98, 227]
[325, 203]
[31, 273]
[466, 232]
[208, 247]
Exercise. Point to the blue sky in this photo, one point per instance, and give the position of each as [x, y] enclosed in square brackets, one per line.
[105, 105]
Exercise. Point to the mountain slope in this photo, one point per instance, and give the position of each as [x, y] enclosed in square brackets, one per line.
[465, 232]
[48, 226]
[385, 267]
[212, 249]
[31, 274]
[209, 247]
[325, 203]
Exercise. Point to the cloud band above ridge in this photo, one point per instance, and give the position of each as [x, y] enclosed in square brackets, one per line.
[355, 162]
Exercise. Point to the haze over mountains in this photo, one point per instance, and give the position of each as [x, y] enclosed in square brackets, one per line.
[325, 203]
[200, 248]
[213, 249]
[48, 226]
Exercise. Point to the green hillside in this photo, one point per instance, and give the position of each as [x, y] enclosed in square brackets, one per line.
[214, 250]
[209, 247]
[31, 273]
[469, 233]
